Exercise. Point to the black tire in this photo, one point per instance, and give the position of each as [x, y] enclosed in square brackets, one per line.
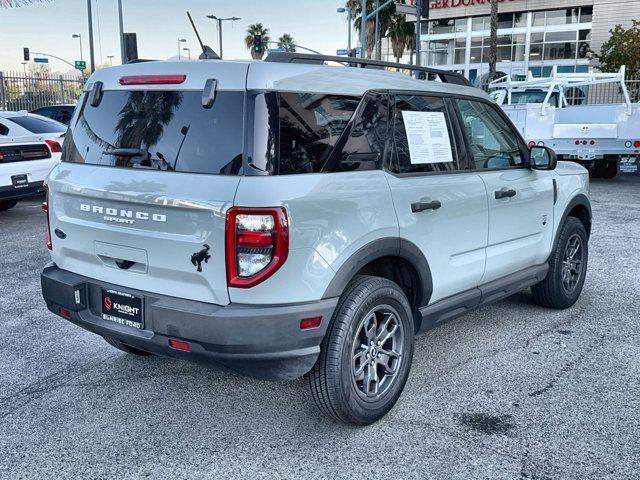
[126, 348]
[610, 169]
[553, 291]
[604, 169]
[333, 379]
[7, 204]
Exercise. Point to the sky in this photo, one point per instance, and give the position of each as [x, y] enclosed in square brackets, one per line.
[48, 27]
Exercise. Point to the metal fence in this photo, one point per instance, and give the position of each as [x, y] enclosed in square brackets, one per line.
[27, 91]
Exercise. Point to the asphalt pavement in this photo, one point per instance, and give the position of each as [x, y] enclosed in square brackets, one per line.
[509, 391]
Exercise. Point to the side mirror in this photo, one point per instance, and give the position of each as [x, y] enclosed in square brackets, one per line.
[542, 158]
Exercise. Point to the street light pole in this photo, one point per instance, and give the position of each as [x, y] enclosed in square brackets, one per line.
[92, 61]
[79, 37]
[123, 54]
[110, 57]
[219, 22]
[188, 50]
[180, 40]
[348, 10]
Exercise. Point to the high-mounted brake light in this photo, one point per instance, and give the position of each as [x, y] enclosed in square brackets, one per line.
[257, 244]
[152, 79]
[54, 146]
[45, 209]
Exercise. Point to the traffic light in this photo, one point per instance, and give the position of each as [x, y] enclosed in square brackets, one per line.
[26, 54]
[425, 9]
[257, 43]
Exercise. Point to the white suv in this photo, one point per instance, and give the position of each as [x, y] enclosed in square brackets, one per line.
[288, 218]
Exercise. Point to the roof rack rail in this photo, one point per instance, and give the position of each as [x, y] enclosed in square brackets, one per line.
[429, 73]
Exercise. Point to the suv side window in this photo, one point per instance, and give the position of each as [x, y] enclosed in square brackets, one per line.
[310, 126]
[429, 146]
[491, 141]
[4, 130]
[364, 139]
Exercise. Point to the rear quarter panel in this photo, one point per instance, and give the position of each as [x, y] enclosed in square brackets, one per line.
[331, 216]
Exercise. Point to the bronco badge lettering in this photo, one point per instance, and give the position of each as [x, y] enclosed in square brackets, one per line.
[198, 257]
[122, 215]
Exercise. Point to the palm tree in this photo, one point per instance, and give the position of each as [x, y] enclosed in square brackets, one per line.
[402, 36]
[287, 43]
[142, 120]
[253, 30]
[493, 41]
[411, 40]
[19, 3]
[385, 17]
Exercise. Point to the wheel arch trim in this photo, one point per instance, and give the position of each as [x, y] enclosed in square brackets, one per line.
[578, 200]
[383, 247]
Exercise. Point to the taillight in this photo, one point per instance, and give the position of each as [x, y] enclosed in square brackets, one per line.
[532, 144]
[636, 144]
[54, 146]
[257, 244]
[45, 209]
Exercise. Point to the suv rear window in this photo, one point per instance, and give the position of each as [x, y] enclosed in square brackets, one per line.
[38, 125]
[162, 130]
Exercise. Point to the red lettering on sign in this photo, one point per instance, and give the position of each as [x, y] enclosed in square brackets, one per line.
[437, 4]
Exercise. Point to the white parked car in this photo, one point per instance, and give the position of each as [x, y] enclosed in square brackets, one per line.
[30, 146]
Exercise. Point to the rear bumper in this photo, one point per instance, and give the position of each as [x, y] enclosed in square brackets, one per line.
[261, 341]
[9, 192]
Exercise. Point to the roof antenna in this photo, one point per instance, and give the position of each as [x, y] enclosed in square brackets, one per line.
[207, 51]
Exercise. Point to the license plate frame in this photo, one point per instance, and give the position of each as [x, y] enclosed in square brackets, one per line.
[20, 181]
[123, 308]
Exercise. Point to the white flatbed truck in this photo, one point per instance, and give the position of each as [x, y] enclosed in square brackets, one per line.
[599, 136]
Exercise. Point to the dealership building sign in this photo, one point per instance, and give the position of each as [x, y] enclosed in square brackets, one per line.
[436, 4]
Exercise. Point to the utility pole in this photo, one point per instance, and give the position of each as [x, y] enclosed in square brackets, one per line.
[123, 54]
[92, 61]
[418, 30]
[375, 41]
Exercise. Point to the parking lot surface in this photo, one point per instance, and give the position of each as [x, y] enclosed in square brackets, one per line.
[510, 391]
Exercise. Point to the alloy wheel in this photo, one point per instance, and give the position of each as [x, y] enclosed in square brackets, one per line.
[377, 352]
[572, 263]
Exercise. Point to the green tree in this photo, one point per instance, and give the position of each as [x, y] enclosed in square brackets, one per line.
[287, 43]
[621, 49]
[257, 29]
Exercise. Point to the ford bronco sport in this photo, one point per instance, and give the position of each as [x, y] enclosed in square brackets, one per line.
[288, 218]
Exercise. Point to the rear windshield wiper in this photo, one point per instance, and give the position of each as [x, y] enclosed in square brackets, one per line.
[140, 154]
[127, 152]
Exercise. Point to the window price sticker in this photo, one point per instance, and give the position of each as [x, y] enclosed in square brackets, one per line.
[427, 136]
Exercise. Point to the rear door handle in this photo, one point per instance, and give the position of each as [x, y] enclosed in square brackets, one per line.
[505, 193]
[420, 206]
